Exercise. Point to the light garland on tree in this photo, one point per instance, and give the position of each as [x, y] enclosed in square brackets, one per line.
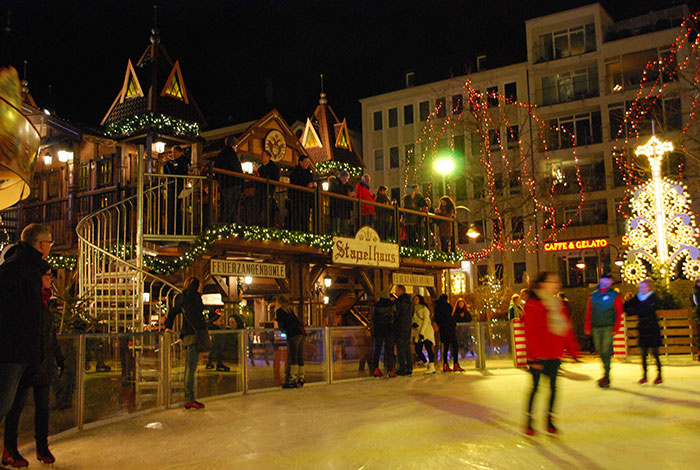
[662, 232]
[330, 166]
[132, 124]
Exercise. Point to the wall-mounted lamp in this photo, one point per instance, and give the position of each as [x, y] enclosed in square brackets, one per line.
[580, 264]
[48, 159]
[327, 282]
[247, 167]
[325, 186]
[65, 156]
[159, 146]
[325, 299]
[248, 280]
[473, 233]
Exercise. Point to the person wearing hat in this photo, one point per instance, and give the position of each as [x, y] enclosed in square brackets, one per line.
[383, 333]
[603, 321]
[290, 324]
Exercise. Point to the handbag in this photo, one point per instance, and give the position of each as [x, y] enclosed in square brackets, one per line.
[203, 336]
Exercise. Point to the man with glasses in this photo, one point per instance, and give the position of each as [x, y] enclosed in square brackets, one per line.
[20, 313]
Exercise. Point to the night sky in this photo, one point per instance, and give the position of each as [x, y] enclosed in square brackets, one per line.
[240, 58]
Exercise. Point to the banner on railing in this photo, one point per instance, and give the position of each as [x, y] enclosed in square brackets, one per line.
[223, 267]
[419, 280]
[366, 249]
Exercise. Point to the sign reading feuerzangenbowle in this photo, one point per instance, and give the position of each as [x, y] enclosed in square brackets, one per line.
[223, 267]
[366, 249]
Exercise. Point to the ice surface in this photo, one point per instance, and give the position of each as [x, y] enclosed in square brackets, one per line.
[443, 421]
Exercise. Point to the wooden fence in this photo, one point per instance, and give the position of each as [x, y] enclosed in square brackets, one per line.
[679, 333]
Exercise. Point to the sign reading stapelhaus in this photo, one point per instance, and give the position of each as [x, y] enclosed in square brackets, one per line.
[222, 267]
[366, 249]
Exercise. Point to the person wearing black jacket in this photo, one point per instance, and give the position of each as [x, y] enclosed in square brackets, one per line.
[40, 382]
[21, 340]
[404, 319]
[230, 186]
[300, 203]
[448, 333]
[340, 209]
[383, 318]
[265, 192]
[695, 302]
[189, 303]
[290, 324]
[178, 165]
[461, 314]
[643, 305]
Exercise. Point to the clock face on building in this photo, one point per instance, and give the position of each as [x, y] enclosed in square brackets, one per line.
[276, 145]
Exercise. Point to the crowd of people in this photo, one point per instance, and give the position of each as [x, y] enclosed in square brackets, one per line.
[300, 209]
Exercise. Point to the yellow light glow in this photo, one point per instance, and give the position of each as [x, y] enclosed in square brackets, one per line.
[473, 233]
[65, 156]
[459, 283]
[248, 280]
[444, 165]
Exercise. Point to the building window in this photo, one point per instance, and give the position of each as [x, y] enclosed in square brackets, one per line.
[377, 120]
[393, 157]
[492, 96]
[393, 117]
[514, 182]
[458, 146]
[83, 177]
[440, 106]
[105, 172]
[481, 271]
[35, 190]
[591, 213]
[461, 188]
[410, 79]
[424, 110]
[457, 104]
[408, 114]
[517, 228]
[494, 139]
[54, 184]
[379, 159]
[567, 42]
[584, 129]
[511, 92]
[518, 272]
[627, 72]
[476, 144]
[478, 187]
[512, 136]
[570, 86]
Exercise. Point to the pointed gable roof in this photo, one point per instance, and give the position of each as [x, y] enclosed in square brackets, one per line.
[155, 85]
[252, 140]
[333, 136]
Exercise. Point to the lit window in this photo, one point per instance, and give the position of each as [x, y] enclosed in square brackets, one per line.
[174, 89]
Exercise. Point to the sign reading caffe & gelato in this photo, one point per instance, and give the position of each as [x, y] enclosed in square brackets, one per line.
[366, 249]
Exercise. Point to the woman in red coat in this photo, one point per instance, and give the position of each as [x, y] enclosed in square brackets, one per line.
[548, 333]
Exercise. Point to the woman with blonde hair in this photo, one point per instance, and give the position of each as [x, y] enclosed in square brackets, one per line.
[189, 303]
[446, 208]
[644, 305]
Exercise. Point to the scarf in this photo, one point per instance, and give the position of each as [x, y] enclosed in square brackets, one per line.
[557, 321]
[46, 296]
[643, 297]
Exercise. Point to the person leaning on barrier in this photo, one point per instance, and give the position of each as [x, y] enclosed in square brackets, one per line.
[384, 214]
[300, 204]
[383, 333]
[446, 208]
[461, 314]
[515, 308]
[21, 336]
[189, 303]
[363, 192]
[340, 209]
[289, 323]
[178, 165]
[230, 187]
[266, 198]
[402, 322]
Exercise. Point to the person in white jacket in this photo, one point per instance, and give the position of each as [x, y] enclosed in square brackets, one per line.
[424, 327]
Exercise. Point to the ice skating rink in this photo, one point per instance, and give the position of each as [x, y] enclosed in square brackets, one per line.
[443, 421]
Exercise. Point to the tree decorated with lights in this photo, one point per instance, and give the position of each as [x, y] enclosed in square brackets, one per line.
[662, 232]
[519, 181]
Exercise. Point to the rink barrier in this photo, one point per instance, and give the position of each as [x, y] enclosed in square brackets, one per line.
[114, 376]
[620, 341]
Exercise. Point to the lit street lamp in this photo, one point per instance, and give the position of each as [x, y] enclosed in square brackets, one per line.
[444, 166]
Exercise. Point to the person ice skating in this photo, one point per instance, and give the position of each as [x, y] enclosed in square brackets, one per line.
[643, 305]
[189, 303]
[515, 309]
[404, 319]
[39, 380]
[290, 324]
[21, 339]
[603, 320]
[448, 333]
[383, 333]
[425, 331]
[695, 302]
[548, 333]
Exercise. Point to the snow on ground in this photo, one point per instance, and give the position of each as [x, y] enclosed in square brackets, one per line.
[442, 421]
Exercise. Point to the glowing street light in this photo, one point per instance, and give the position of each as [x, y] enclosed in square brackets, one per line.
[327, 282]
[473, 233]
[159, 146]
[48, 159]
[65, 156]
[248, 280]
[580, 264]
[444, 166]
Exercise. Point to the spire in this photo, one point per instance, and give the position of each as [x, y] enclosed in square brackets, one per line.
[323, 99]
[155, 36]
[24, 82]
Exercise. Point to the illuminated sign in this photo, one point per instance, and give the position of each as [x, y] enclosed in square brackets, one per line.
[406, 279]
[221, 267]
[366, 249]
[576, 244]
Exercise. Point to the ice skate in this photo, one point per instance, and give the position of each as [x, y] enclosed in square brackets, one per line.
[194, 404]
[658, 380]
[221, 367]
[446, 367]
[643, 380]
[102, 368]
[300, 377]
[391, 374]
[209, 366]
[457, 368]
[604, 382]
[13, 458]
[431, 368]
[44, 455]
[378, 373]
[550, 426]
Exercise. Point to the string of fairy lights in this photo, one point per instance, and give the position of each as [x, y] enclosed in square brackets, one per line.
[331, 166]
[495, 156]
[131, 124]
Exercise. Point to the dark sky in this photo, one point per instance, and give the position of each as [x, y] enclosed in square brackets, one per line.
[230, 49]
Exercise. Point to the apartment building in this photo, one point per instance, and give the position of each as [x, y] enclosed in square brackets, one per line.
[583, 70]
